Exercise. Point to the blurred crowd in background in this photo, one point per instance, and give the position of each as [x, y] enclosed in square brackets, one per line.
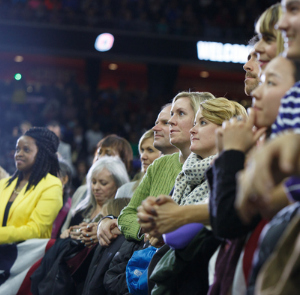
[84, 116]
[206, 18]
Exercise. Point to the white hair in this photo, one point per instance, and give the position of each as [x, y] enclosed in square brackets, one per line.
[118, 172]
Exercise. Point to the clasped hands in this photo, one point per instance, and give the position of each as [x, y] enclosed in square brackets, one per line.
[85, 232]
[158, 216]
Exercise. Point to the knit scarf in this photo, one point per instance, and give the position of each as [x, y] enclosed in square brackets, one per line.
[191, 187]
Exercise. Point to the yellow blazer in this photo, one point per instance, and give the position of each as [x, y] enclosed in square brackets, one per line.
[32, 214]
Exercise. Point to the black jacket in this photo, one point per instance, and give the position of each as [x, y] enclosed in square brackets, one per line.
[115, 277]
[221, 177]
[94, 283]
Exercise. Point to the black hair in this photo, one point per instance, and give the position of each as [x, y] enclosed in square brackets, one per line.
[65, 170]
[46, 159]
[53, 123]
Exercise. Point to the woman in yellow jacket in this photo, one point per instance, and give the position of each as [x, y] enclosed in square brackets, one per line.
[31, 199]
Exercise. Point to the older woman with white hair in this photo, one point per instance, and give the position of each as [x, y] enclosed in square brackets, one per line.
[103, 179]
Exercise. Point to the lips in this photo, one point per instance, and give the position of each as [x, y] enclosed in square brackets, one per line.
[97, 194]
[158, 135]
[250, 76]
[263, 63]
[256, 108]
[19, 161]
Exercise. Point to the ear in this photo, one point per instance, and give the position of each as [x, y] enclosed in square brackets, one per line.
[65, 180]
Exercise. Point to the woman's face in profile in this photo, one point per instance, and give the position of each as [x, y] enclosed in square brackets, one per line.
[25, 155]
[105, 151]
[277, 79]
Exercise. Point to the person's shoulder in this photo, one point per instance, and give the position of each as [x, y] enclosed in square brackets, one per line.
[167, 158]
[3, 181]
[51, 179]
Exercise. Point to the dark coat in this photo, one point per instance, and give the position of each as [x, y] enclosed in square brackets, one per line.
[185, 271]
[115, 277]
[94, 283]
[224, 219]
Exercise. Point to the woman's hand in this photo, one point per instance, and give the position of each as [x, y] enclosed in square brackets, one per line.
[89, 234]
[239, 134]
[65, 234]
[75, 231]
[159, 215]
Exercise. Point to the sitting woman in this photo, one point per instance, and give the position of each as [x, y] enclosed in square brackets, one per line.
[148, 153]
[111, 145]
[32, 197]
[105, 176]
[103, 179]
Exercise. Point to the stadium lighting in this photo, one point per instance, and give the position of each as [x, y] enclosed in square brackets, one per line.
[18, 76]
[104, 42]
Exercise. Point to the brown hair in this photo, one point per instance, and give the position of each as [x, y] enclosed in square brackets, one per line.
[115, 206]
[121, 145]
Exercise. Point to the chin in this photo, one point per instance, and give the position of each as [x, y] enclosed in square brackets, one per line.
[292, 54]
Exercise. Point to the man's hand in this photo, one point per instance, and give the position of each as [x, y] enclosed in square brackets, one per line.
[107, 231]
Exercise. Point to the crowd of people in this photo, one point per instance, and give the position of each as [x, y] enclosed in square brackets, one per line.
[204, 18]
[213, 211]
[79, 128]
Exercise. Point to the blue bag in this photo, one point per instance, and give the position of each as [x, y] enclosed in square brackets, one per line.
[137, 271]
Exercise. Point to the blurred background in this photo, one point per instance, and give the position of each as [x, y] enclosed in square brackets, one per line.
[51, 70]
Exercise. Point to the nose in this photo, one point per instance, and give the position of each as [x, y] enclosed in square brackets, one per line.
[97, 186]
[172, 120]
[156, 127]
[247, 66]
[256, 94]
[282, 23]
[193, 130]
[19, 152]
[258, 47]
[144, 156]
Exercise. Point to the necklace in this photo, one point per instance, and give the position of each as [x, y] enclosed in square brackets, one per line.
[17, 192]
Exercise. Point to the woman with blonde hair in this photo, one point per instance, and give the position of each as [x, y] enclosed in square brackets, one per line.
[270, 42]
[148, 153]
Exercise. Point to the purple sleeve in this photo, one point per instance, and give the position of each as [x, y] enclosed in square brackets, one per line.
[180, 238]
[292, 188]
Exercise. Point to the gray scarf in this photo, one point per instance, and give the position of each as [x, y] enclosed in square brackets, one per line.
[191, 187]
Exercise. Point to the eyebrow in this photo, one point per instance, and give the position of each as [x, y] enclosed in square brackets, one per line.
[272, 74]
[267, 34]
[180, 109]
[287, 3]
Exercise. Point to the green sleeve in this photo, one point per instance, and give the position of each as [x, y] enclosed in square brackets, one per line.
[127, 220]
